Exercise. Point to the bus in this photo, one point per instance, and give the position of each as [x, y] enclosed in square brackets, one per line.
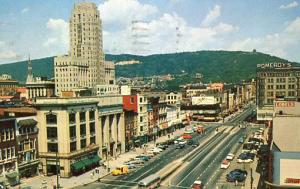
[152, 181]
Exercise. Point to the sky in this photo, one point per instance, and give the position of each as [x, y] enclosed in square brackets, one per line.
[40, 28]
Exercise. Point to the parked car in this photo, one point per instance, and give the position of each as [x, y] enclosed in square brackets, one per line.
[225, 164]
[120, 170]
[155, 150]
[180, 146]
[190, 142]
[246, 157]
[241, 140]
[137, 162]
[236, 175]
[230, 156]
[144, 158]
[130, 165]
[161, 146]
[197, 184]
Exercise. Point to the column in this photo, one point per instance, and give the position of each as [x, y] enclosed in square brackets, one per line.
[114, 133]
[44, 91]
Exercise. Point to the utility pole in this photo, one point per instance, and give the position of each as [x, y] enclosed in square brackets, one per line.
[57, 171]
[251, 179]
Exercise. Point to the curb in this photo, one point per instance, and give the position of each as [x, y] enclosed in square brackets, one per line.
[85, 184]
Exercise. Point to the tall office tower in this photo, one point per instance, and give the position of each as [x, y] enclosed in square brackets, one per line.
[83, 68]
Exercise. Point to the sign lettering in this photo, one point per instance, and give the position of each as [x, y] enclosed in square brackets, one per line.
[284, 104]
[292, 181]
[274, 65]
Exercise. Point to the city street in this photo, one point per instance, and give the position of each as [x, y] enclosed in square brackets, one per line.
[202, 163]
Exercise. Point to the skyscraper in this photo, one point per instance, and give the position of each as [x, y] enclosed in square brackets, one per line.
[83, 67]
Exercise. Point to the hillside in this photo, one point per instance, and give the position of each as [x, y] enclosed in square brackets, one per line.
[224, 66]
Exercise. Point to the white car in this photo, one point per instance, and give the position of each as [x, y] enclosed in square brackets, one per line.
[178, 140]
[225, 164]
[182, 142]
[230, 156]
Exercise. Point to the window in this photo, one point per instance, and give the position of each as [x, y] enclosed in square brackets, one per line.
[12, 134]
[141, 99]
[92, 127]
[13, 152]
[72, 131]
[4, 154]
[8, 153]
[72, 118]
[131, 100]
[52, 147]
[51, 133]
[73, 146]
[51, 119]
[141, 119]
[82, 143]
[93, 140]
[92, 115]
[82, 129]
[141, 109]
[82, 116]
[7, 134]
[3, 136]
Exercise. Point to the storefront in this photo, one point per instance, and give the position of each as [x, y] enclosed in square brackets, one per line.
[28, 169]
[12, 178]
[85, 164]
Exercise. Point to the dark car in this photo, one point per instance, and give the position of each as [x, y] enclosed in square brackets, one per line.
[236, 175]
[190, 142]
[179, 146]
[144, 158]
[162, 146]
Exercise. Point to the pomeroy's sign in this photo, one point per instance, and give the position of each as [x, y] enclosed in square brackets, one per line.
[274, 65]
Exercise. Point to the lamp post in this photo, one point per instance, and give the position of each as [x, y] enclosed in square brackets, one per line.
[57, 170]
[107, 159]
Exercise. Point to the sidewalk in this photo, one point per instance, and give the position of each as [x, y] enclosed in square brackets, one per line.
[88, 177]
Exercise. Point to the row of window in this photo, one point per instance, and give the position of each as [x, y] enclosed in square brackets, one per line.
[52, 118]
[26, 130]
[53, 147]
[27, 145]
[7, 153]
[7, 134]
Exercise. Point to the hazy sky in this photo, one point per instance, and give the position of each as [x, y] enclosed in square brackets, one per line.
[40, 28]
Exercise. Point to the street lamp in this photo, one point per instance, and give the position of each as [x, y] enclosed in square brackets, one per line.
[107, 159]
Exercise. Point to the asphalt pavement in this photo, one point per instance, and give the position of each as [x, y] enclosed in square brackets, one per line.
[151, 167]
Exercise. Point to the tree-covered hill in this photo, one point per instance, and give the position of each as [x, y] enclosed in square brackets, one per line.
[227, 66]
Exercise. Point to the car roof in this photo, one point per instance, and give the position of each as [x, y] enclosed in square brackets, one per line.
[197, 182]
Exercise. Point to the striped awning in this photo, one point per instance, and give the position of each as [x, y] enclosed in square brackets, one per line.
[27, 122]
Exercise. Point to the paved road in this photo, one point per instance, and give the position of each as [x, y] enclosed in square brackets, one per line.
[151, 167]
[205, 166]
[159, 162]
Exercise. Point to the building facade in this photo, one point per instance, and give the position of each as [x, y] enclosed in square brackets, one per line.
[27, 146]
[83, 68]
[8, 87]
[275, 81]
[8, 153]
[95, 129]
[109, 67]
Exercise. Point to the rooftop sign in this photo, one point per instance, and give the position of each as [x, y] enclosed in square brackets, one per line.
[274, 65]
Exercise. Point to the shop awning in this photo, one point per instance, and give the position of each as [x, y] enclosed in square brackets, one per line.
[12, 175]
[87, 162]
[27, 122]
[95, 159]
[77, 166]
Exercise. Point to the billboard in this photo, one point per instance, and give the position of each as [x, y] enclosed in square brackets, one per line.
[204, 100]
